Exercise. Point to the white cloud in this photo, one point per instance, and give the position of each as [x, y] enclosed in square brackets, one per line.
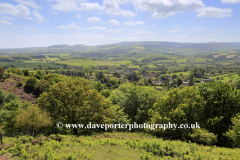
[95, 28]
[28, 3]
[5, 22]
[115, 31]
[131, 23]
[78, 16]
[8, 18]
[26, 27]
[214, 12]
[154, 25]
[166, 8]
[18, 10]
[113, 22]
[94, 19]
[230, 1]
[90, 6]
[38, 16]
[67, 5]
[70, 26]
[197, 28]
[141, 32]
[29, 18]
[172, 31]
[178, 25]
[112, 8]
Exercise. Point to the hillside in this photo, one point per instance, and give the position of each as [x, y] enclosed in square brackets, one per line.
[145, 47]
[109, 146]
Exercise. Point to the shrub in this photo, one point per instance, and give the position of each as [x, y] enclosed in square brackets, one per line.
[31, 82]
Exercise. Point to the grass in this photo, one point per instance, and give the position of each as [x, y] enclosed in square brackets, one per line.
[79, 62]
[110, 146]
[29, 64]
[123, 62]
[109, 63]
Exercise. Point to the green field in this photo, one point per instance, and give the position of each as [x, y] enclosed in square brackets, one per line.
[123, 62]
[79, 62]
[109, 63]
[29, 64]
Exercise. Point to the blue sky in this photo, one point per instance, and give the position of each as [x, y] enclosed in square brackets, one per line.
[39, 23]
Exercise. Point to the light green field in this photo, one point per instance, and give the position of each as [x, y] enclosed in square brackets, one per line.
[79, 62]
[123, 62]
[29, 64]
[52, 59]
[108, 63]
[227, 78]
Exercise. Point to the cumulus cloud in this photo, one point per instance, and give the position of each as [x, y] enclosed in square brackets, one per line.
[95, 28]
[166, 8]
[131, 23]
[172, 31]
[18, 10]
[67, 5]
[197, 28]
[112, 8]
[94, 19]
[231, 1]
[5, 22]
[78, 16]
[214, 12]
[28, 3]
[70, 26]
[113, 22]
[8, 18]
[115, 31]
[90, 6]
[141, 32]
[29, 18]
[38, 16]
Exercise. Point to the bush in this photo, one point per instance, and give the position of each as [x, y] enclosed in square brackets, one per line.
[31, 82]
[26, 139]
[202, 136]
[19, 84]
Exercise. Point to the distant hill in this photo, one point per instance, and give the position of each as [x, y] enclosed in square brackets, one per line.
[144, 47]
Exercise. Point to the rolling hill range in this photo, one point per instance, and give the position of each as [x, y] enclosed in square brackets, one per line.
[145, 47]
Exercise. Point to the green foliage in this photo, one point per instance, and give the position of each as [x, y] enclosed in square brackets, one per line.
[234, 132]
[31, 82]
[178, 107]
[115, 146]
[73, 102]
[2, 71]
[32, 119]
[135, 101]
[222, 103]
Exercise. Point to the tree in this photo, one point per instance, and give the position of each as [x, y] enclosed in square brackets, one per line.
[32, 119]
[31, 82]
[73, 102]
[135, 101]
[191, 82]
[2, 71]
[233, 132]
[178, 107]
[222, 103]
[25, 72]
[179, 82]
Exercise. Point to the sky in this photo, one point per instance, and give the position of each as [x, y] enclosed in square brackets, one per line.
[41, 23]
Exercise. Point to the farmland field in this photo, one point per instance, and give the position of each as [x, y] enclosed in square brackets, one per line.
[123, 62]
[109, 63]
[29, 64]
[79, 62]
